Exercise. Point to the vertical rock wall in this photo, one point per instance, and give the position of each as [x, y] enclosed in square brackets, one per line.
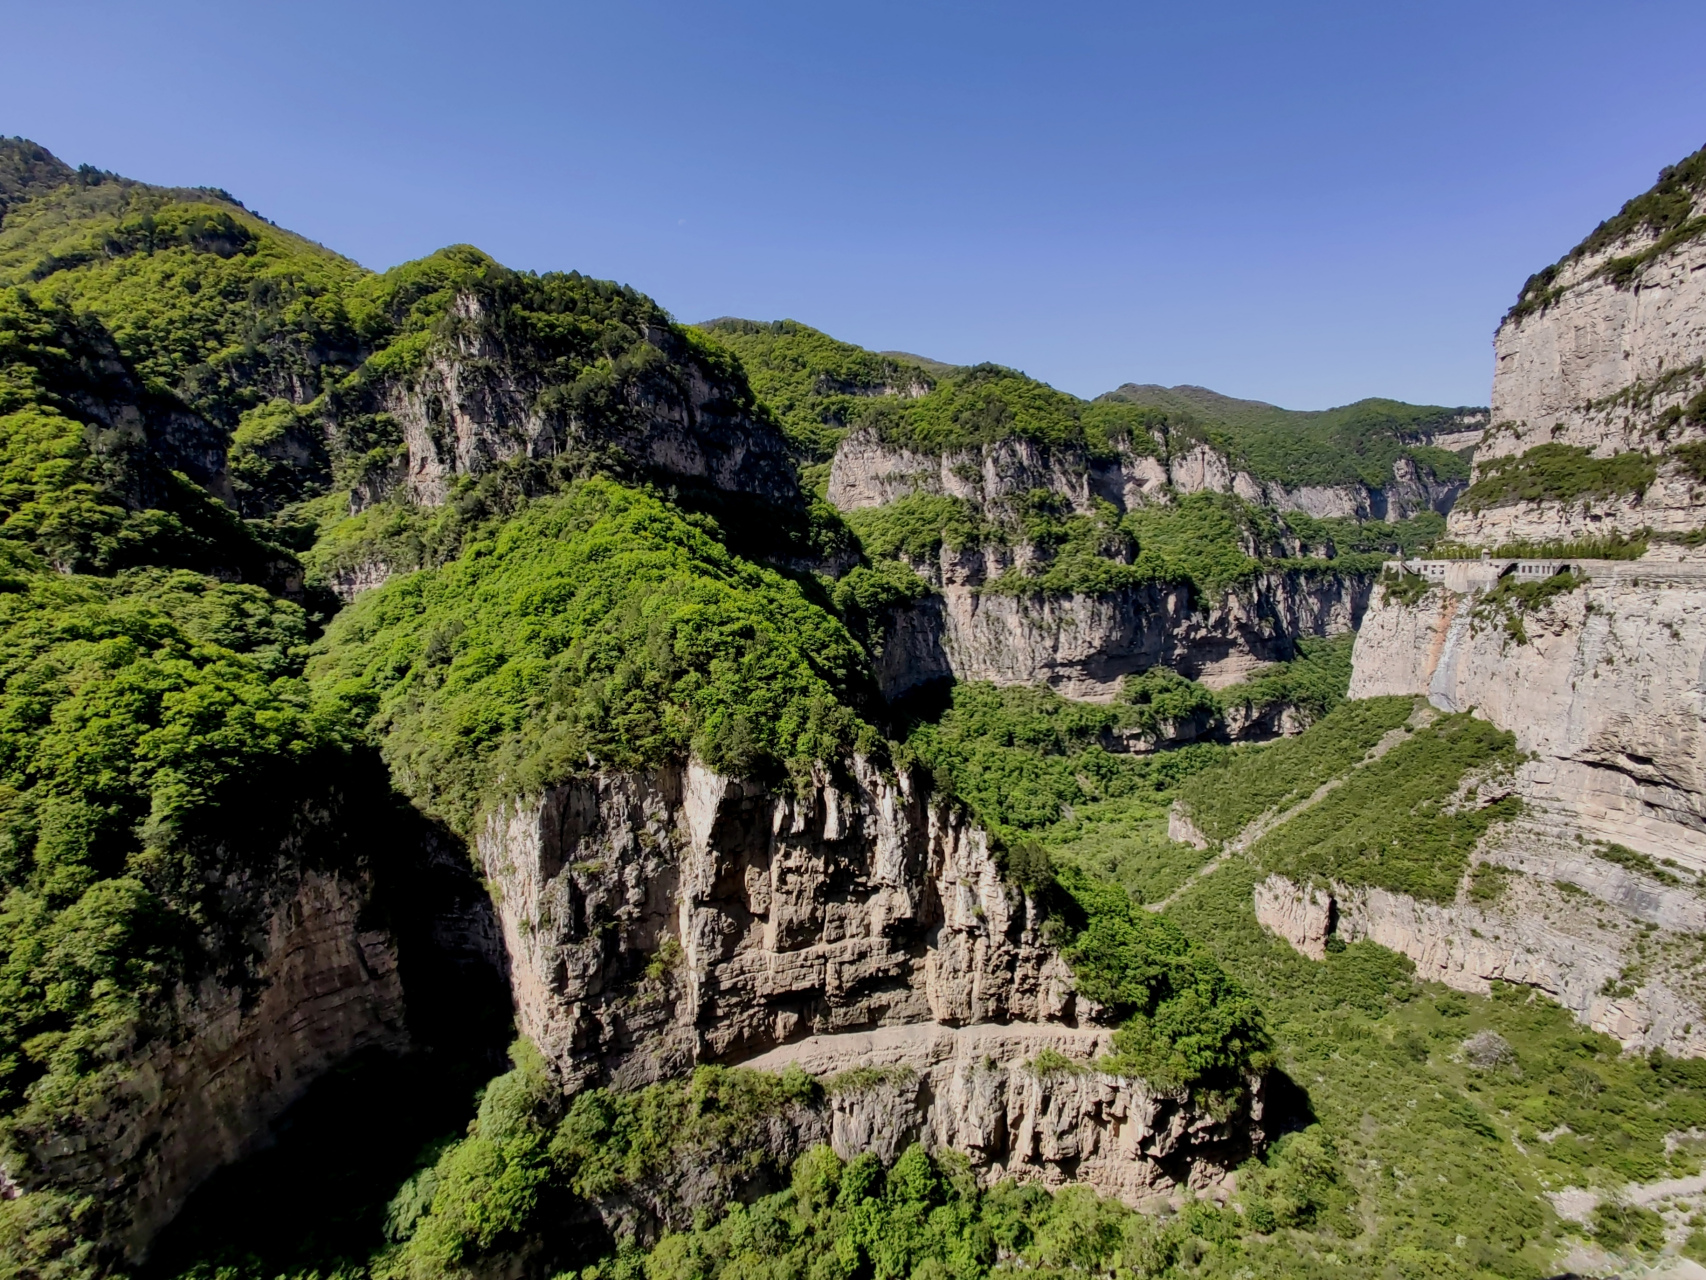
[659, 920]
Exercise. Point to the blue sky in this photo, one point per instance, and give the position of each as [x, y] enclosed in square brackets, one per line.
[1305, 203]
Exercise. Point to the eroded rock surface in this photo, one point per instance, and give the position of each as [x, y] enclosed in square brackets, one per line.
[867, 472]
[1605, 360]
[326, 986]
[1084, 645]
[979, 1089]
[655, 921]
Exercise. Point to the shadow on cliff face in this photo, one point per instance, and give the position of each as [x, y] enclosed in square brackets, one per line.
[316, 1195]
[1286, 1105]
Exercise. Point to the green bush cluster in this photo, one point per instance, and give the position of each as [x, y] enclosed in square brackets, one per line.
[1183, 1021]
[917, 526]
[600, 625]
[1402, 822]
[988, 404]
[83, 482]
[1160, 696]
[531, 1155]
[1446, 1165]
[1251, 781]
[155, 733]
[1512, 598]
[1558, 473]
[1020, 756]
[205, 300]
[816, 385]
[1314, 682]
[924, 1217]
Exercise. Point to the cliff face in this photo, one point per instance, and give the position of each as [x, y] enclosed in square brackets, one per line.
[660, 920]
[477, 402]
[1604, 354]
[1594, 893]
[1597, 883]
[1608, 693]
[325, 985]
[869, 473]
[1084, 644]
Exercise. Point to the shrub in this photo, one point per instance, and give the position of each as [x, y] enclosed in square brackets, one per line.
[1558, 473]
[1222, 800]
[1401, 822]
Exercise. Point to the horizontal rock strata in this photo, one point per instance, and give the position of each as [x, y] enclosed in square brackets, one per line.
[659, 920]
[978, 1089]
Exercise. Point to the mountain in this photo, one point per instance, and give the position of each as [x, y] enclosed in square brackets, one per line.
[902, 819]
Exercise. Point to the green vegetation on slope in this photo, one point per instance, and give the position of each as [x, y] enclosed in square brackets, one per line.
[1558, 473]
[155, 734]
[1356, 443]
[816, 385]
[1314, 682]
[1021, 756]
[987, 404]
[82, 479]
[1513, 598]
[1221, 802]
[514, 1187]
[1426, 1137]
[207, 301]
[601, 622]
[1406, 821]
[917, 526]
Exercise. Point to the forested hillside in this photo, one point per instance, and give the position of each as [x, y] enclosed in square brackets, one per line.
[392, 662]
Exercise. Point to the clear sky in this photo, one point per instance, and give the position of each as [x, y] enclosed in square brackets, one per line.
[1304, 202]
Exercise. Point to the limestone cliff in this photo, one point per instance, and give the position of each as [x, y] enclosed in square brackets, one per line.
[1084, 644]
[325, 984]
[659, 920]
[1599, 881]
[480, 399]
[1594, 894]
[866, 472]
[1604, 353]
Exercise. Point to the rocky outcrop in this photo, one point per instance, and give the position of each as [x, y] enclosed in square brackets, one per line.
[1604, 687]
[1579, 929]
[1599, 363]
[867, 472]
[326, 985]
[1084, 644]
[1606, 690]
[982, 1090]
[1604, 353]
[659, 920]
[474, 403]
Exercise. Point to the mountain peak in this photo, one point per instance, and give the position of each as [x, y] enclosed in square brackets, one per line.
[27, 169]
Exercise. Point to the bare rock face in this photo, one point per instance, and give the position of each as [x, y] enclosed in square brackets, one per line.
[655, 921]
[1606, 361]
[1608, 693]
[866, 472]
[1600, 890]
[474, 404]
[1085, 645]
[1583, 945]
[326, 987]
[1564, 372]
[980, 1089]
